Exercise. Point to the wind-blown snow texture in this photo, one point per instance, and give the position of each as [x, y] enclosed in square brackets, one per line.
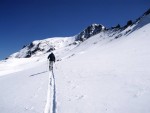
[107, 73]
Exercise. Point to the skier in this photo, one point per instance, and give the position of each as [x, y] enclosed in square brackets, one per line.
[51, 58]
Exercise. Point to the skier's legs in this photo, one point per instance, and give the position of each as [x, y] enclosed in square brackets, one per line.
[50, 65]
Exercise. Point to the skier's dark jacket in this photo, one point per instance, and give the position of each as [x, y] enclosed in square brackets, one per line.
[51, 57]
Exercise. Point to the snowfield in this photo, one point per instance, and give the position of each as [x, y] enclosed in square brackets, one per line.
[113, 78]
[23, 91]
[101, 75]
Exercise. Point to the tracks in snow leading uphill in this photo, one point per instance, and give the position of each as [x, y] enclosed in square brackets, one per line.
[51, 95]
[54, 94]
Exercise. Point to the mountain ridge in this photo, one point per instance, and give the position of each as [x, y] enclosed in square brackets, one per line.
[39, 47]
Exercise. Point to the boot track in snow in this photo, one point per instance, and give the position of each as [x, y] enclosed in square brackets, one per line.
[51, 94]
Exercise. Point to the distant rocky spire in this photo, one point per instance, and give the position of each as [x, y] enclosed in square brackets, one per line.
[89, 31]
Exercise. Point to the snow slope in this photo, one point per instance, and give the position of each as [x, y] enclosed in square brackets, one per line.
[25, 89]
[113, 77]
[104, 74]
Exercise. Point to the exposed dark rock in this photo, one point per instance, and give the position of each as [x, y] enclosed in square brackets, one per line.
[118, 36]
[28, 55]
[30, 45]
[147, 12]
[51, 49]
[24, 46]
[129, 23]
[89, 31]
[116, 27]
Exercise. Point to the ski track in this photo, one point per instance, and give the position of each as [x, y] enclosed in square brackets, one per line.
[50, 106]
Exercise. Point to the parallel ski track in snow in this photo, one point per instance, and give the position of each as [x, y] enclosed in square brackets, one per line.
[51, 94]
[54, 94]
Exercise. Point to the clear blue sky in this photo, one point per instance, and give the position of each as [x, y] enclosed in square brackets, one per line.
[23, 21]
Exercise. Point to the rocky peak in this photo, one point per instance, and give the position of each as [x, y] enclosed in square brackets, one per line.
[89, 31]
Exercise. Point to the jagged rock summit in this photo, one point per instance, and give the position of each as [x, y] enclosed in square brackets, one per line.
[90, 31]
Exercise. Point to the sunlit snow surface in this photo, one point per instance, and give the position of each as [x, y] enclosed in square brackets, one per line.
[101, 75]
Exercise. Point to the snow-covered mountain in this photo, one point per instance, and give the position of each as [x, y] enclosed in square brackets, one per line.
[39, 47]
[105, 73]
